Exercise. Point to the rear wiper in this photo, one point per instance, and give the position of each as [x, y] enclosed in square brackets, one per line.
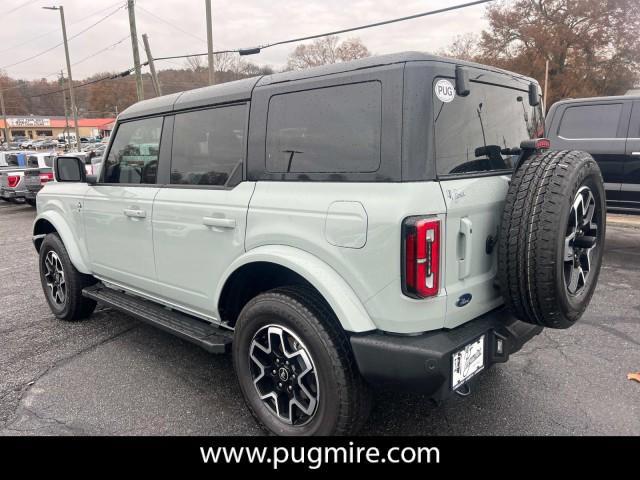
[489, 150]
[292, 152]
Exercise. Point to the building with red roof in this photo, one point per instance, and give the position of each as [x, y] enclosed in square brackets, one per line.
[37, 126]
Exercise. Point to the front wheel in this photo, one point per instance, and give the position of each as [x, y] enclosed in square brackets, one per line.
[62, 283]
[295, 366]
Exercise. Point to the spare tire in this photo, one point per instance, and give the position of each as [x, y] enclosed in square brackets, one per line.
[551, 238]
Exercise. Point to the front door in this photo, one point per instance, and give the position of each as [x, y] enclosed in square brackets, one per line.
[199, 220]
[118, 210]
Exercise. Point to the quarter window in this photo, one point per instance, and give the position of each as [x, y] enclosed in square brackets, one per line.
[208, 146]
[327, 130]
[591, 121]
[133, 157]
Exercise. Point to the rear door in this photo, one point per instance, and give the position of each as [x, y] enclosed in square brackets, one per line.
[199, 218]
[474, 176]
[599, 128]
[118, 210]
[630, 185]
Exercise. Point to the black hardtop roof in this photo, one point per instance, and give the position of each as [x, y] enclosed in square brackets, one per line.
[598, 99]
[241, 90]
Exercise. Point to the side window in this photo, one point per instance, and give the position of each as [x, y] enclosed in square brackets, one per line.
[133, 157]
[327, 130]
[208, 146]
[590, 121]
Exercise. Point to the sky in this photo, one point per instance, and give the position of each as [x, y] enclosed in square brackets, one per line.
[177, 27]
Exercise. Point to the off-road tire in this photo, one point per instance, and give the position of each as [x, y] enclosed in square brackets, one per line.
[75, 307]
[531, 248]
[344, 398]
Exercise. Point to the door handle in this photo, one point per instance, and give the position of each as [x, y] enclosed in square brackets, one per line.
[134, 213]
[466, 234]
[219, 222]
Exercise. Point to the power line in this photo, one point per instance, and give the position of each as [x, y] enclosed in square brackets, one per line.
[242, 51]
[57, 72]
[253, 50]
[59, 44]
[171, 24]
[100, 51]
[57, 30]
[90, 82]
[19, 7]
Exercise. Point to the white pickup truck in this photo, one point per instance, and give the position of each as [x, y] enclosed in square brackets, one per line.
[395, 221]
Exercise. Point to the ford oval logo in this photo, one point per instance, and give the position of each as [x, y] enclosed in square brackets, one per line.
[463, 300]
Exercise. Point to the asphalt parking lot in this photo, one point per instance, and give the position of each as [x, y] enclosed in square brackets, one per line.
[112, 375]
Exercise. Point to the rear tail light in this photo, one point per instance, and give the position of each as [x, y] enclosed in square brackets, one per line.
[421, 256]
[12, 181]
[45, 177]
[543, 144]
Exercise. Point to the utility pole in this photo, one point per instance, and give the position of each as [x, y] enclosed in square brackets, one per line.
[72, 96]
[152, 66]
[4, 118]
[546, 83]
[66, 113]
[134, 45]
[212, 73]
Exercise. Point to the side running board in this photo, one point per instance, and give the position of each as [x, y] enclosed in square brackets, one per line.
[207, 336]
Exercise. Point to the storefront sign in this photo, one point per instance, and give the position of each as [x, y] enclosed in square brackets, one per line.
[28, 122]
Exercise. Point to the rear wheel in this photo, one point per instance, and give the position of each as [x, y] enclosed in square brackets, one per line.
[62, 283]
[552, 238]
[295, 366]
[30, 201]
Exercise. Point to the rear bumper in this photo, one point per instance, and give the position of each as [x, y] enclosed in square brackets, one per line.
[4, 193]
[423, 362]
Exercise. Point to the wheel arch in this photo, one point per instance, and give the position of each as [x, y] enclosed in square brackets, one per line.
[53, 222]
[281, 265]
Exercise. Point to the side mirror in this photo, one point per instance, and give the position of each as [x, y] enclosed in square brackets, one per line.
[92, 179]
[534, 96]
[69, 169]
[462, 81]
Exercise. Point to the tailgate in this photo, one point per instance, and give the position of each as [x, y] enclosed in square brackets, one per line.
[474, 208]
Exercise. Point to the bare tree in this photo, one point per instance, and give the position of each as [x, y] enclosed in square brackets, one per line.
[194, 64]
[464, 47]
[326, 50]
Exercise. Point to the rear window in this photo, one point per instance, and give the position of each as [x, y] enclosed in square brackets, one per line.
[471, 131]
[327, 130]
[590, 121]
[208, 145]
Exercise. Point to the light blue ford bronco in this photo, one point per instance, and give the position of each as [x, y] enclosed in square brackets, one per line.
[392, 222]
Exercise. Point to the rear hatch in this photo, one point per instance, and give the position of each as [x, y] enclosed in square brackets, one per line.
[470, 132]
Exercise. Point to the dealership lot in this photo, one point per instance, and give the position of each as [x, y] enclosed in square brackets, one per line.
[114, 375]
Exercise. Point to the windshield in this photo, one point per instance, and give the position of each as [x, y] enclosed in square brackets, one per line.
[473, 134]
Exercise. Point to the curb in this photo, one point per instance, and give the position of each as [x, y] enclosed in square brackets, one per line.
[627, 221]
